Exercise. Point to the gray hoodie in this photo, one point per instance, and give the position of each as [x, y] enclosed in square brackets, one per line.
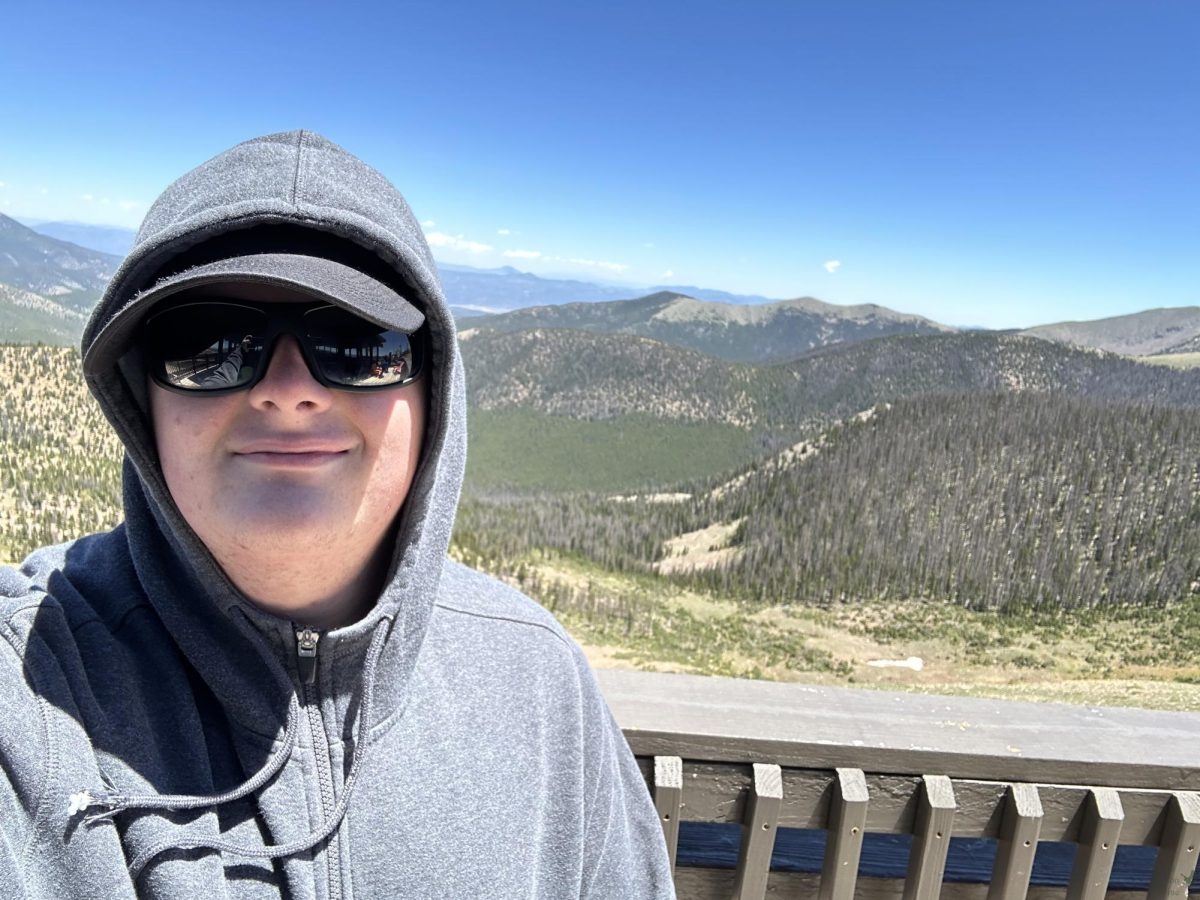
[157, 738]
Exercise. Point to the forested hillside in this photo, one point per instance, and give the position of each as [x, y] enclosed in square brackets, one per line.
[989, 501]
[986, 501]
[641, 389]
[1068, 517]
[26, 317]
[59, 460]
[72, 276]
[987, 498]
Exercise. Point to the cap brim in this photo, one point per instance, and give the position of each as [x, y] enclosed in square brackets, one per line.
[314, 276]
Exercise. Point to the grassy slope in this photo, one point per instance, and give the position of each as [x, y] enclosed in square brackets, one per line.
[1174, 360]
[1116, 657]
[524, 449]
[60, 471]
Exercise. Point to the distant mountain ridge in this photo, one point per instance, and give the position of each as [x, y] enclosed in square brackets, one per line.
[472, 291]
[47, 285]
[1147, 333]
[590, 376]
[68, 274]
[28, 318]
[110, 239]
[764, 333]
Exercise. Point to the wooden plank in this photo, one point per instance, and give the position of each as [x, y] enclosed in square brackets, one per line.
[808, 726]
[1099, 833]
[668, 796]
[847, 824]
[716, 792]
[1017, 844]
[931, 839]
[758, 833]
[1175, 866]
[717, 884]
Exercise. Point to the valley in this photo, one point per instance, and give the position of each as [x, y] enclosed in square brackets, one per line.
[790, 491]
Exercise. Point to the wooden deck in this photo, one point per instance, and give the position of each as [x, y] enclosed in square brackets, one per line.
[808, 782]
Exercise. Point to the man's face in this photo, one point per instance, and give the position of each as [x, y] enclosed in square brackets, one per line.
[289, 466]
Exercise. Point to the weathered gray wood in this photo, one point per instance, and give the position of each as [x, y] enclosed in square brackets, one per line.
[1017, 844]
[847, 823]
[668, 797]
[717, 884]
[758, 834]
[1176, 863]
[715, 792]
[931, 839]
[1098, 836]
[731, 720]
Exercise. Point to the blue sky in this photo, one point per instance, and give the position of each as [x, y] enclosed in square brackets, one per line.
[977, 163]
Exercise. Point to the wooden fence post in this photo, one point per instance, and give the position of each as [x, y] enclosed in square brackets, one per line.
[931, 838]
[1098, 835]
[758, 833]
[668, 797]
[1018, 842]
[1176, 864]
[843, 846]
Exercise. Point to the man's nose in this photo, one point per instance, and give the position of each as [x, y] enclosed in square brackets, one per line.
[288, 384]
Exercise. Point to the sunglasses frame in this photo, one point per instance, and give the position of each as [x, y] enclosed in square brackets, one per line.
[281, 318]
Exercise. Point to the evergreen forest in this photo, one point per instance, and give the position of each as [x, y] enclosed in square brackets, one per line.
[995, 502]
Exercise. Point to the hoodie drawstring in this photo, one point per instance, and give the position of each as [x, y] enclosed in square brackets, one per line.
[116, 802]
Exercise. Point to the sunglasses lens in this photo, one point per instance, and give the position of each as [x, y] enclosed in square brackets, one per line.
[205, 346]
[352, 352]
[219, 346]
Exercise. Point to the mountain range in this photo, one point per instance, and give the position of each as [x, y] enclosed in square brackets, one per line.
[544, 400]
[764, 333]
[52, 273]
[840, 452]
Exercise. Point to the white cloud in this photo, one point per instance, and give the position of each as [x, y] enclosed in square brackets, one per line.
[833, 265]
[649, 245]
[456, 242]
[670, 273]
[129, 205]
[87, 198]
[523, 254]
[43, 191]
[3, 185]
[504, 231]
[599, 264]
[429, 223]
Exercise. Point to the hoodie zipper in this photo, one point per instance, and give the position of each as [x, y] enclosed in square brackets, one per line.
[306, 654]
[307, 641]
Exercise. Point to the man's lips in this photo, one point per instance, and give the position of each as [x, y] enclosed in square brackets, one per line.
[292, 453]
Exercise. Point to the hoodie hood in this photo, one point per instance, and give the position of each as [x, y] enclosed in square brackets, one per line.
[292, 193]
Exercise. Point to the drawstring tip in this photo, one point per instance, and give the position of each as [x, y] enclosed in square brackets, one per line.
[81, 801]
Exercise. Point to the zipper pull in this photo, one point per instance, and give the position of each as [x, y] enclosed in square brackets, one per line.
[306, 653]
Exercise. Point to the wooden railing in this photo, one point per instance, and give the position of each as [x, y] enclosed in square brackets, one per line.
[777, 790]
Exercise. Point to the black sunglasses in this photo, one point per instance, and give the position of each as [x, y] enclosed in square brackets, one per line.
[220, 346]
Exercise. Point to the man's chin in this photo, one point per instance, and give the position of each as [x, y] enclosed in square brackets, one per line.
[284, 524]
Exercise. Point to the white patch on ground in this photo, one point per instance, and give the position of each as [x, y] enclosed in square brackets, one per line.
[707, 548]
[650, 498]
[913, 662]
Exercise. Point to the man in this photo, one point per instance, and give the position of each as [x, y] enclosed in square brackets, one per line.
[269, 681]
